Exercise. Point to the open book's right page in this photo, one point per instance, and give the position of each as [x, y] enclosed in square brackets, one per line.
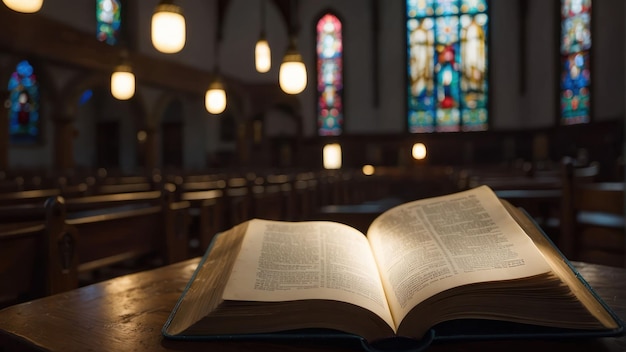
[427, 246]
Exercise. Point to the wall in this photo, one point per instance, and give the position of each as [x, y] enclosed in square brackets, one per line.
[373, 104]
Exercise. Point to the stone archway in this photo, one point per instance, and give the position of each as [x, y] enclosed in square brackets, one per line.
[65, 119]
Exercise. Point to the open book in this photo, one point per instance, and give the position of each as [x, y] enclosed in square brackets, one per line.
[464, 256]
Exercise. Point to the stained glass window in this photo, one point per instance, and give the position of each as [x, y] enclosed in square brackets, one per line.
[447, 65]
[24, 122]
[575, 69]
[329, 76]
[108, 18]
[85, 97]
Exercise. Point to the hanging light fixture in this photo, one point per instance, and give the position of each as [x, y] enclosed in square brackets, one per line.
[331, 156]
[215, 98]
[418, 151]
[262, 55]
[25, 6]
[168, 27]
[292, 74]
[123, 79]
[262, 52]
[123, 83]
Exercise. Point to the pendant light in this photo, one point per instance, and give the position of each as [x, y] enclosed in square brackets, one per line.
[262, 55]
[331, 156]
[168, 27]
[262, 52]
[215, 96]
[418, 151]
[292, 75]
[24, 6]
[123, 80]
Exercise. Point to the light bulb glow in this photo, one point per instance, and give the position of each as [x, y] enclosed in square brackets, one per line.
[292, 77]
[368, 170]
[24, 6]
[215, 99]
[262, 56]
[332, 156]
[418, 151]
[123, 83]
[168, 29]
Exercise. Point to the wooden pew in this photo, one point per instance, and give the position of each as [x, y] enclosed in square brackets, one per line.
[20, 213]
[109, 200]
[303, 201]
[238, 203]
[38, 196]
[30, 207]
[573, 176]
[594, 224]
[112, 233]
[122, 188]
[202, 185]
[270, 201]
[207, 217]
[37, 258]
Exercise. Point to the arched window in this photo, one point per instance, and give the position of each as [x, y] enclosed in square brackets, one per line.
[575, 68]
[447, 65]
[24, 119]
[108, 18]
[329, 50]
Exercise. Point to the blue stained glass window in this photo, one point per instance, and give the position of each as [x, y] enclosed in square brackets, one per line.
[420, 8]
[446, 7]
[108, 18]
[447, 65]
[24, 119]
[575, 68]
[329, 76]
[85, 97]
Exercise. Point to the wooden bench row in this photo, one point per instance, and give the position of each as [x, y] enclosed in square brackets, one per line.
[59, 242]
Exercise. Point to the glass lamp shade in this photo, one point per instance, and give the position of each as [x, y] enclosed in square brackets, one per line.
[123, 83]
[332, 156]
[215, 98]
[262, 56]
[168, 28]
[419, 151]
[292, 74]
[25, 6]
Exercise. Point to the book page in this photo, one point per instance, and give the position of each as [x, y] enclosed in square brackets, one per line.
[427, 246]
[561, 266]
[281, 261]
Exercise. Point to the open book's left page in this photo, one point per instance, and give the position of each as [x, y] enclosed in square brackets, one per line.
[285, 261]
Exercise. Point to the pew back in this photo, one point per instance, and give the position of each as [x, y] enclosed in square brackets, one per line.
[206, 215]
[36, 258]
[597, 223]
[128, 227]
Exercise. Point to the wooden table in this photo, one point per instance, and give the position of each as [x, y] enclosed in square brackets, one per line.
[127, 314]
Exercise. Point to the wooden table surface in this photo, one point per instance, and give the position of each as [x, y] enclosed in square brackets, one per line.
[127, 314]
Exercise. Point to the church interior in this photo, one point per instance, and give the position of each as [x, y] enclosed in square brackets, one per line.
[401, 100]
